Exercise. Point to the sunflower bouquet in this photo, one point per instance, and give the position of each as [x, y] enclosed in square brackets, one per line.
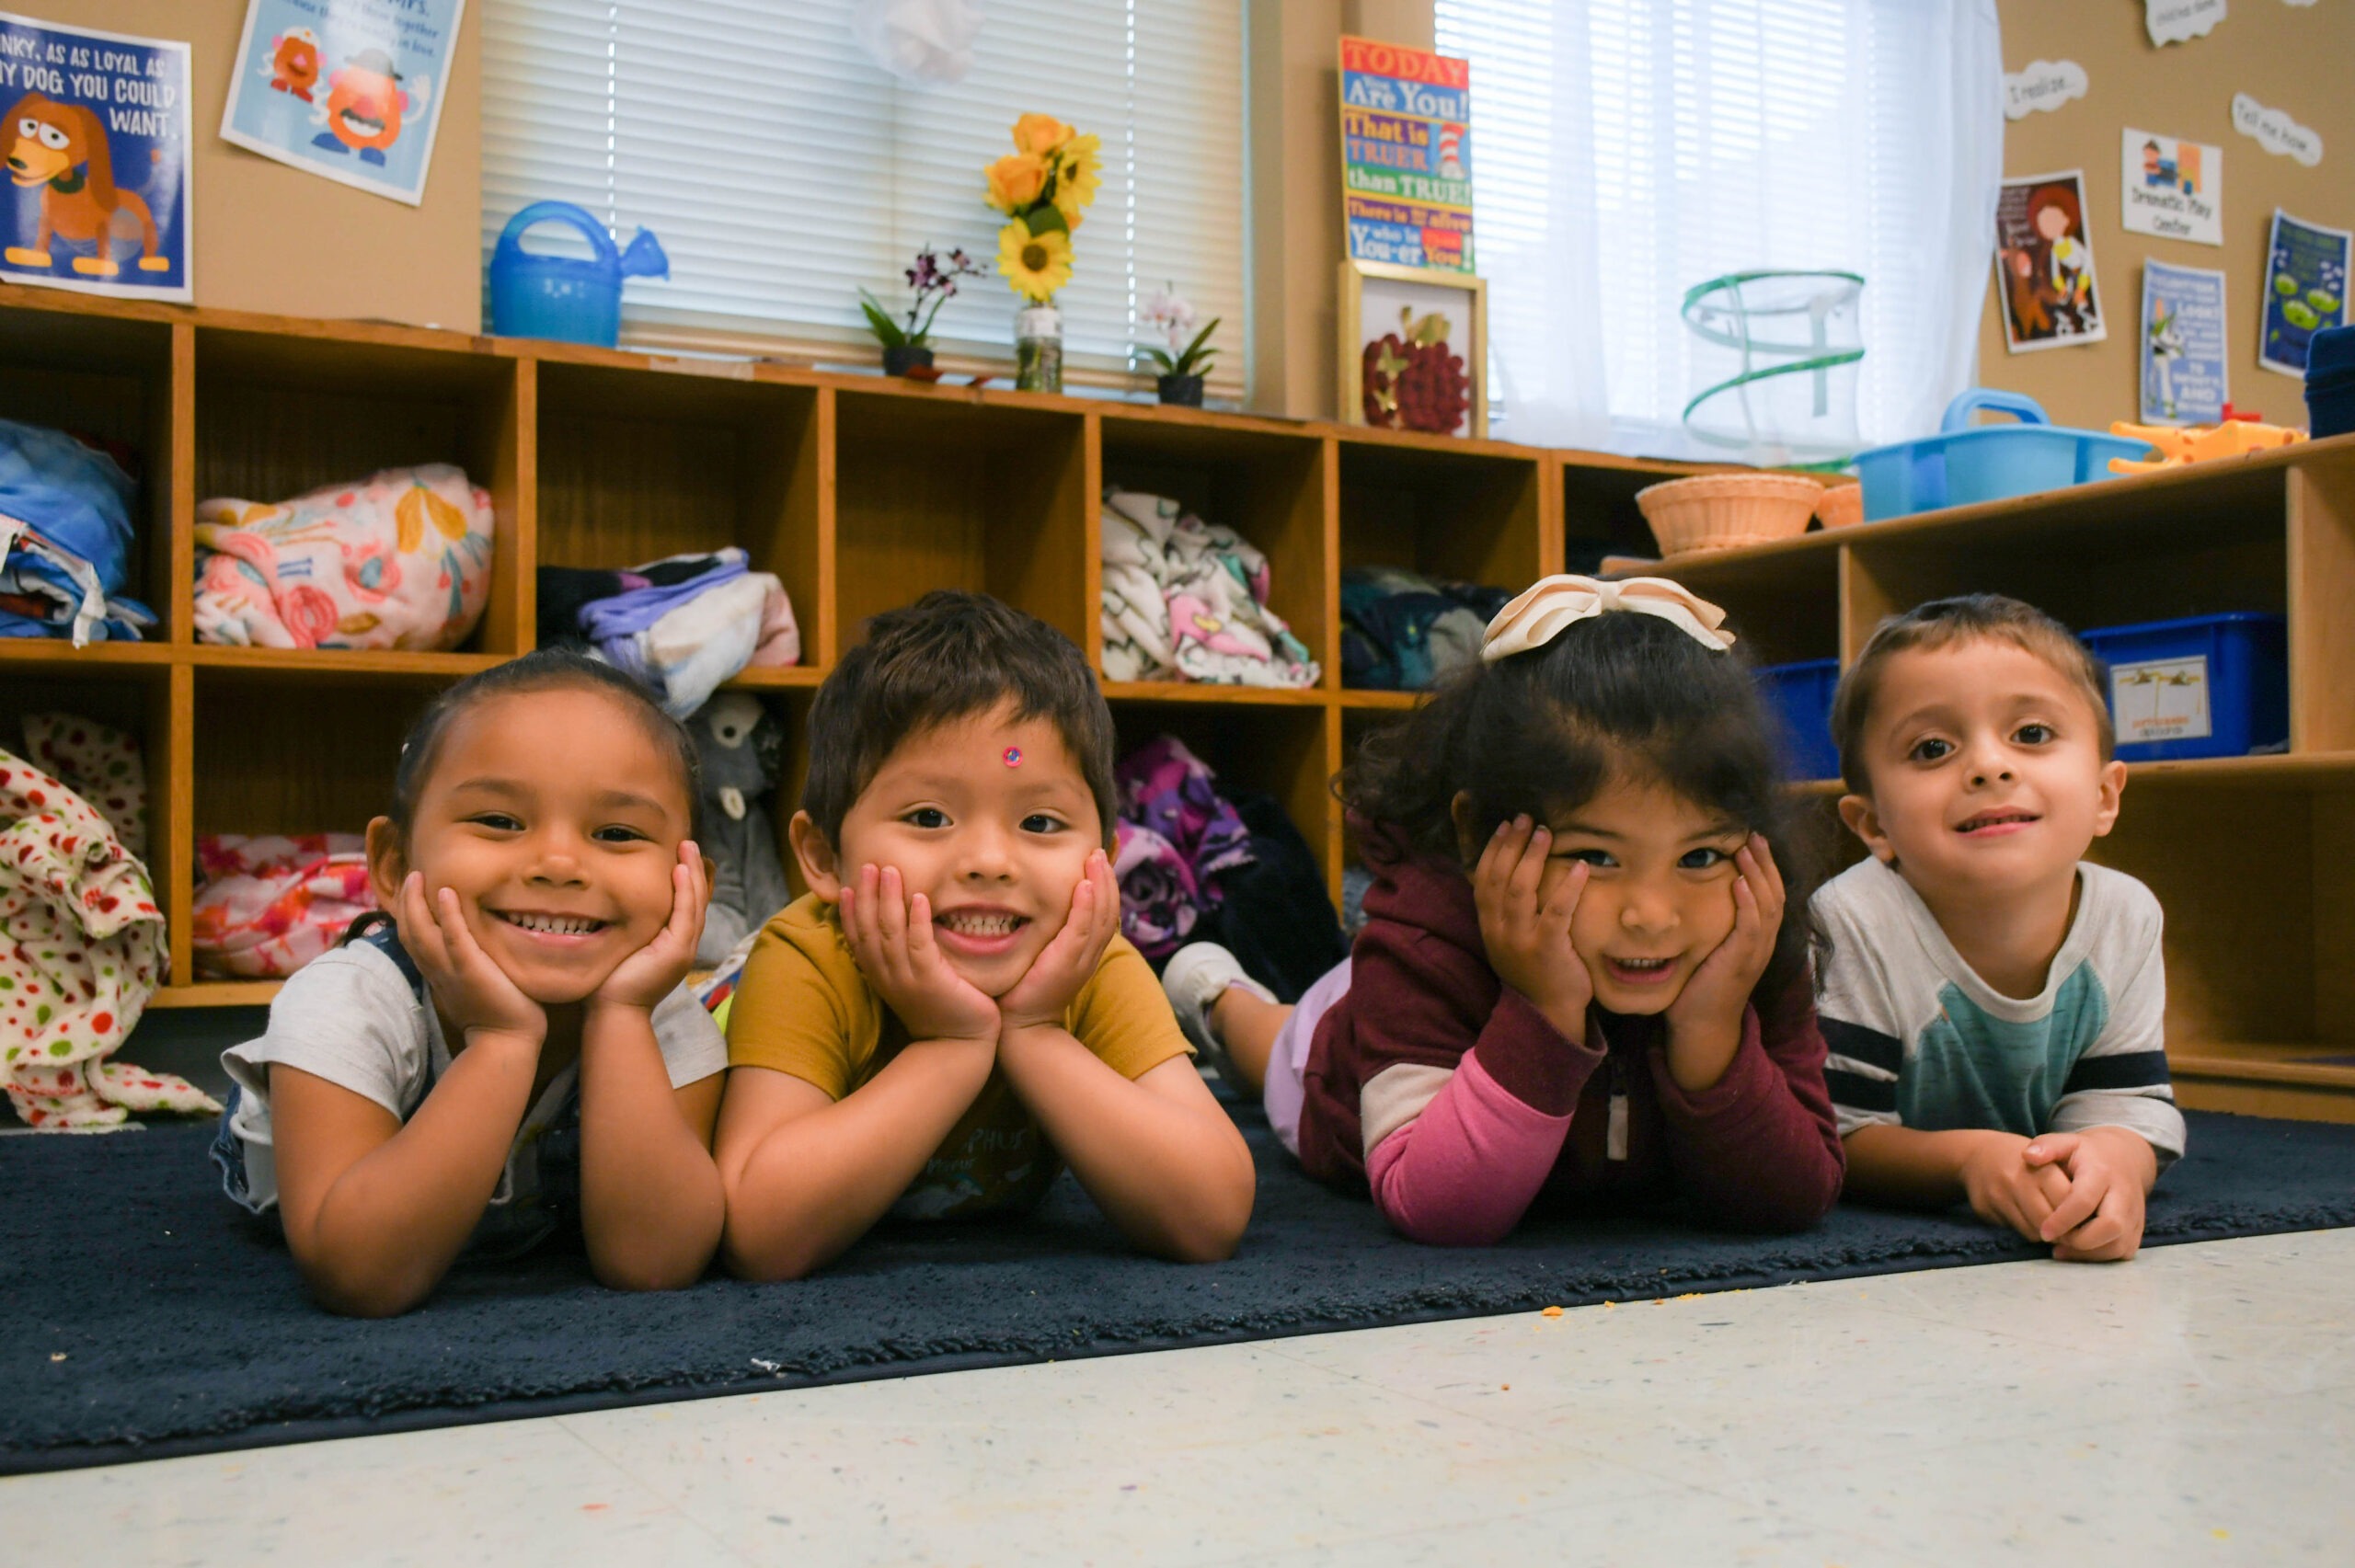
[1043, 187]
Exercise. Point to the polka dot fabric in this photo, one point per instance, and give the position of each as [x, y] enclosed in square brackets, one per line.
[81, 950]
[97, 762]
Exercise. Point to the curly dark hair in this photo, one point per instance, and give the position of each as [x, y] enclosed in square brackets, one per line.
[1618, 696]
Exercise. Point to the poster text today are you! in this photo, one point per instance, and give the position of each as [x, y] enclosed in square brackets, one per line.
[1407, 155]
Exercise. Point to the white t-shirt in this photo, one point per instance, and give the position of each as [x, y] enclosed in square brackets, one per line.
[351, 1017]
[1918, 1039]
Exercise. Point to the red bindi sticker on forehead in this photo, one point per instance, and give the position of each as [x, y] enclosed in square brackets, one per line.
[1013, 756]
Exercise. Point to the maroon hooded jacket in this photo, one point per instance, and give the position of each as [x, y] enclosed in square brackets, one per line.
[1760, 1149]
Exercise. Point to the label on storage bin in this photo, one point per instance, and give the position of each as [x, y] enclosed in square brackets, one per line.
[2161, 699]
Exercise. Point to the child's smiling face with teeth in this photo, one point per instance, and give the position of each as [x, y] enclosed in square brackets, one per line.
[989, 817]
[556, 817]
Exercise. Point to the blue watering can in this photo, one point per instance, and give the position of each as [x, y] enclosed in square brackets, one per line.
[558, 296]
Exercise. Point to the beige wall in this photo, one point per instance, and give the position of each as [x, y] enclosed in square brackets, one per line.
[2291, 58]
[269, 237]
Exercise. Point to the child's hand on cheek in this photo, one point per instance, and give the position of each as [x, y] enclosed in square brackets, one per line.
[471, 990]
[1705, 1021]
[890, 936]
[1063, 965]
[1528, 941]
[654, 971]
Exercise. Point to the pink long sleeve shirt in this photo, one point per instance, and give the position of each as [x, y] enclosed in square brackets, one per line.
[1450, 1096]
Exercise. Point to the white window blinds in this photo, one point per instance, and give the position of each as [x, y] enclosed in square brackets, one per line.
[1630, 149]
[781, 169]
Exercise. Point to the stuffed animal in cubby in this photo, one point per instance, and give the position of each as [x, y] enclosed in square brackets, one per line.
[740, 748]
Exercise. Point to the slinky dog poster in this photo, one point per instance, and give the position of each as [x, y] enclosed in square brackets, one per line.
[97, 142]
[349, 90]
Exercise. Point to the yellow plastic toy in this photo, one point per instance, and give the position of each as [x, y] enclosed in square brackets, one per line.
[2236, 437]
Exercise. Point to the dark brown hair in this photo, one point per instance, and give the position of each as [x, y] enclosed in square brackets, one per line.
[1617, 697]
[944, 658]
[1943, 622]
[545, 670]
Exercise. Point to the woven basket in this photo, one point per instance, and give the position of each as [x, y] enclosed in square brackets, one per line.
[1841, 505]
[1724, 512]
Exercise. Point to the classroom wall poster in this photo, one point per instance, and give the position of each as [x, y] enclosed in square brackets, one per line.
[2171, 187]
[97, 136]
[1406, 156]
[349, 90]
[2044, 264]
[2306, 291]
[2185, 375]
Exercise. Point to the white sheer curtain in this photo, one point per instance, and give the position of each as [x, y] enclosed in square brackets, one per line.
[1626, 150]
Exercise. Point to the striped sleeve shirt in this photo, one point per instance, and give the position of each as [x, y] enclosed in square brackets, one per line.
[1917, 1039]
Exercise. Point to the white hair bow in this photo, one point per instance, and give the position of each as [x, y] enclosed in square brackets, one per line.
[1538, 614]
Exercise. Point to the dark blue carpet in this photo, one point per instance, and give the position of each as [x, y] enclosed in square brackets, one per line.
[148, 1318]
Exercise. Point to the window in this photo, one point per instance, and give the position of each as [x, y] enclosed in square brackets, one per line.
[781, 169]
[1626, 150]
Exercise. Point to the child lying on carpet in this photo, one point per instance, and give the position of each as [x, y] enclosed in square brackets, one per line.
[949, 1013]
[513, 1051]
[1995, 1004]
[1576, 978]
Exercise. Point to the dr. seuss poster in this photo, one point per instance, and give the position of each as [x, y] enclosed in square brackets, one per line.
[348, 89]
[98, 137]
[2183, 374]
[2171, 187]
[2306, 291]
[1407, 155]
[2044, 263]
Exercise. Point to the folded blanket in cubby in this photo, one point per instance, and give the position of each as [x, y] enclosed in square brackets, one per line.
[399, 560]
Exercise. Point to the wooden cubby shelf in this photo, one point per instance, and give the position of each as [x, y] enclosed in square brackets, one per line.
[2241, 851]
[861, 493]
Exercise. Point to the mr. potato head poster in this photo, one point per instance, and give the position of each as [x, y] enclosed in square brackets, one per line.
[97, 140]
[349, 90]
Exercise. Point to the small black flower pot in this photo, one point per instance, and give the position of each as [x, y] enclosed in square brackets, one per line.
[1184, 390]
[906, 358]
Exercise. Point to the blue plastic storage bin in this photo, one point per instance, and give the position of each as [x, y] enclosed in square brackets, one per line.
[2209, 686]
[1962, 466]
[1800, 695]
[2330, 381]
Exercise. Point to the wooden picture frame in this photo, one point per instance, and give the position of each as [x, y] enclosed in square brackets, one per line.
[1373, 294]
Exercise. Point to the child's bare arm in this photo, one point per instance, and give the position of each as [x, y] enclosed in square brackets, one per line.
[375, 1210]
[1157, 1153]
[1933, 1170]
[650, 1198]
[807, 1174]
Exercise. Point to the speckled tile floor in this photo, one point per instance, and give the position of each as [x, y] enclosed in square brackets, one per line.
[2195, 1406]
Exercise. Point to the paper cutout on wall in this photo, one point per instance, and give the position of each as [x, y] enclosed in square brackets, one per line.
[2185, 378]
[2175, 21]
[2045, 85]
[2306, 291]
[2275, 131]
[2171, 187]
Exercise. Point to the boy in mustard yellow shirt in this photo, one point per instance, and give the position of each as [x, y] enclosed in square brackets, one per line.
[949, 1015]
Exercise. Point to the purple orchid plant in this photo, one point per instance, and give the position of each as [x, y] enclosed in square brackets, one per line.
[933, 282]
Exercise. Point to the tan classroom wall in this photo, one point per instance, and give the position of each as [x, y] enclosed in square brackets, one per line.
[2288, 57]
[269, 237]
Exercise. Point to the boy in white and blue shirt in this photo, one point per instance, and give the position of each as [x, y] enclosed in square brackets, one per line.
[1994, 1005]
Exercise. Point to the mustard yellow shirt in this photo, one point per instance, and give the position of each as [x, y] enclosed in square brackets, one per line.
[802, 1007]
